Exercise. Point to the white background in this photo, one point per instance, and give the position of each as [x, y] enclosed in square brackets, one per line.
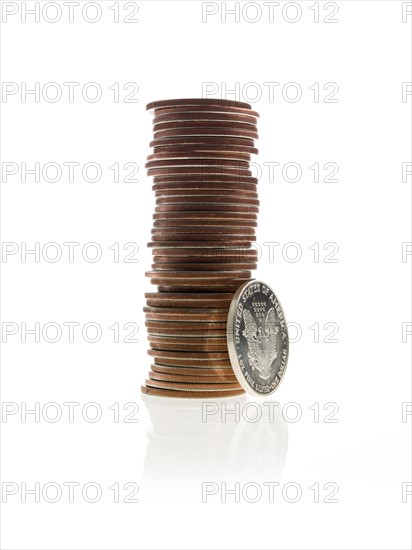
[364, 376]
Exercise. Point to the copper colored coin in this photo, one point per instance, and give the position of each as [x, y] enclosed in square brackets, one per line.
[203, 237]
[192, 318]
[185, 386]
[187, 300]
[196, 371]
[207, 207]
[189, 356]
[178, 346]
[188, 101]
[205, 107]
[190, 394]
[222, 188]
[203, 223]
[192, 378]
[187, 229]
[210, 171]
[197, 162]
[180, 362]
[195, 274]
[203, 254]
[202, 123]
[205, 127]
[208, 199]
[188, 333]
[183, 326]
[203, 267]
[189, 341]
[179, 378]
[168, 297]
[216, 141]
[217, 285]
[208, 264]
[193, 245]
[224, 194]
[196, 156]
[196, 116]
[197, 288]
[208, 148]
[205, 178]
[200, 215]
[216, 132]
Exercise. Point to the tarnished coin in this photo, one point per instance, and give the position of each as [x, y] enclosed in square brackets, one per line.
[198, 115]
[257, 338]
[190, 394]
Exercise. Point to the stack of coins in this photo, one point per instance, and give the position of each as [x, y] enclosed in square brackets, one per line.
[203, 229]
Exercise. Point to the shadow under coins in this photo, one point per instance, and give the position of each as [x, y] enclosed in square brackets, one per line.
[195, 441]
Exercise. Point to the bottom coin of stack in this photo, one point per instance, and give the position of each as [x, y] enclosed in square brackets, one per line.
[202, 236]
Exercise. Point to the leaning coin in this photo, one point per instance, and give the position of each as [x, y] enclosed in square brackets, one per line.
[257, 338]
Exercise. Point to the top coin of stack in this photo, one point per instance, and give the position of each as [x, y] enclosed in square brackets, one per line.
[203, 229]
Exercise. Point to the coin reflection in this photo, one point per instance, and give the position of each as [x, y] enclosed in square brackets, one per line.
[192, 441]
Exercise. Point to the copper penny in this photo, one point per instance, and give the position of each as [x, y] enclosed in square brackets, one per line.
[189, 300]
[205, 178]
[197, 162]
[196, 288]
[189, 355]
[178, 346]
[203, 267]
[185, 386]
[206, 107]
[203, 223]
[202, 171]
[235, 208]
[206, 148]
[196, 371]
[195, 155]
[191, 379]
[175, 326]
[200, 215]
[188, 101]
[190, 394]
[191, 362]
[200, 132]
[196, 116]
[225, 188]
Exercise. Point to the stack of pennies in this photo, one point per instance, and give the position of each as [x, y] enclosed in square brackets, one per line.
[202, 241]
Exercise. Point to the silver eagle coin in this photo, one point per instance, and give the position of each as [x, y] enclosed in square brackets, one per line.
[257, 338]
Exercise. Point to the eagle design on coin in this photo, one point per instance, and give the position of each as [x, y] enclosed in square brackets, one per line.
[261, 341]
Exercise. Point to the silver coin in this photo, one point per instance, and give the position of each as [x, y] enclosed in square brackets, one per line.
[257, 338]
